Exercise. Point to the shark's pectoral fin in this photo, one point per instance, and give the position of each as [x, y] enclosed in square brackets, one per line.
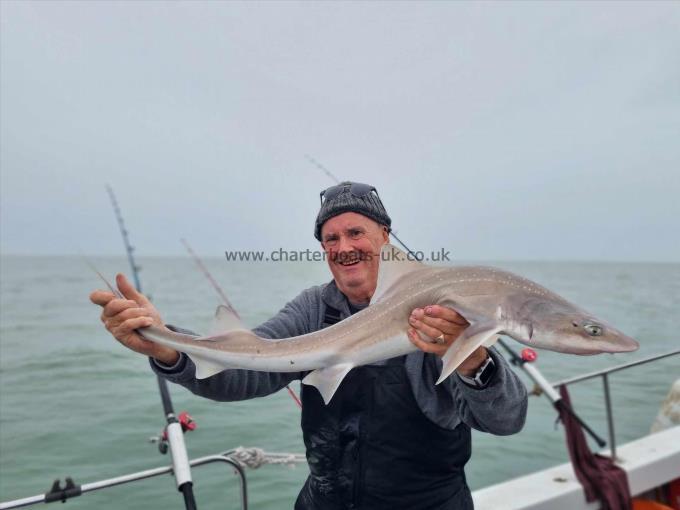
[491, 341]
[327, 380]
[474, 336]
[205, 367]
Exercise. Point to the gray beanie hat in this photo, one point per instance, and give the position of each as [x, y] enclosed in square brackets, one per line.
[351, 197]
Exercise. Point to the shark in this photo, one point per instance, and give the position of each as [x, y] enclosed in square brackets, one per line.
[493, 301]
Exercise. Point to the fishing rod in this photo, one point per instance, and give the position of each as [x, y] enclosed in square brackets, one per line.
[523, 360]
[174, 429]
[225, 300]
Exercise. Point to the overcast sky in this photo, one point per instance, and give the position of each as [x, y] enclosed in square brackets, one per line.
[532, 130]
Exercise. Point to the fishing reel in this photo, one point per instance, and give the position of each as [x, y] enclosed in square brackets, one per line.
[185, 420]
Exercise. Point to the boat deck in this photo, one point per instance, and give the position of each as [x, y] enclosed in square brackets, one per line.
[650, 462]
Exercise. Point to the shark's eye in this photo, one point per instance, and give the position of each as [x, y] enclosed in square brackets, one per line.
[593, 329]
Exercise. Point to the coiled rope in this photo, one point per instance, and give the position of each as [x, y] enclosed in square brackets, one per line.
[256, 457]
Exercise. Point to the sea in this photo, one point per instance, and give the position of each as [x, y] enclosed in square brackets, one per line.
[74, 402]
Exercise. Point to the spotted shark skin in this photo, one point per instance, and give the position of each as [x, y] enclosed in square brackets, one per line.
[493, 301]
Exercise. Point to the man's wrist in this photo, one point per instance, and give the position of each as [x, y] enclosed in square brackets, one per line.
[164, 369]
[169, 359]
[470, 366]
[483, 375]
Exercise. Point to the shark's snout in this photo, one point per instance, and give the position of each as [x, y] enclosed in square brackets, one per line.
[621, 343]
[629, 345]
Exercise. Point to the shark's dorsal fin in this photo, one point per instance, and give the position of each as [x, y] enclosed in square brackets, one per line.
[226, 319]
[394, 264]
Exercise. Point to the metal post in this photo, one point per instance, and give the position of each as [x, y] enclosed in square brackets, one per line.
[548, 389]
[178, 450]
[610, 417]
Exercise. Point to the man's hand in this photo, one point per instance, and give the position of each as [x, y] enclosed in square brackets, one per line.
[442, 326]
[122, 317]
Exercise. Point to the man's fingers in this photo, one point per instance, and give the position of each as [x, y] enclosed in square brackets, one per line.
[101, 297]
[114, 321]
[115, 306]
[425, 346]
[131, 325]
[424, 328]
[442, 325]
[128, 290]
[442, 312]
[122, 317]
[133, 313]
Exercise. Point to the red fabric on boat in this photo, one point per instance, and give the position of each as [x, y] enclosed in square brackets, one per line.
[601, 479]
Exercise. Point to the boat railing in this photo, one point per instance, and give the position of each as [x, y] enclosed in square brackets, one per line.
[604, 375]
[71, 490]
[238, 459]
[253, 457]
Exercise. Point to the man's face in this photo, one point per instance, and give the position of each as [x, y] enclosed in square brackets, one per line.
[352, 243]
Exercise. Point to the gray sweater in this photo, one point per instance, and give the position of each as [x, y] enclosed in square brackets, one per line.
[499, 408]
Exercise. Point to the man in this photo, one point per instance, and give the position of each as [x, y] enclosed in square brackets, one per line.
[389, 438]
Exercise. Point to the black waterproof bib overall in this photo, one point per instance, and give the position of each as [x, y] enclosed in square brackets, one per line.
[372, 448]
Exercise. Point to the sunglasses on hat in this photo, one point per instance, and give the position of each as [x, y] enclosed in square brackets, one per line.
[357, 189]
